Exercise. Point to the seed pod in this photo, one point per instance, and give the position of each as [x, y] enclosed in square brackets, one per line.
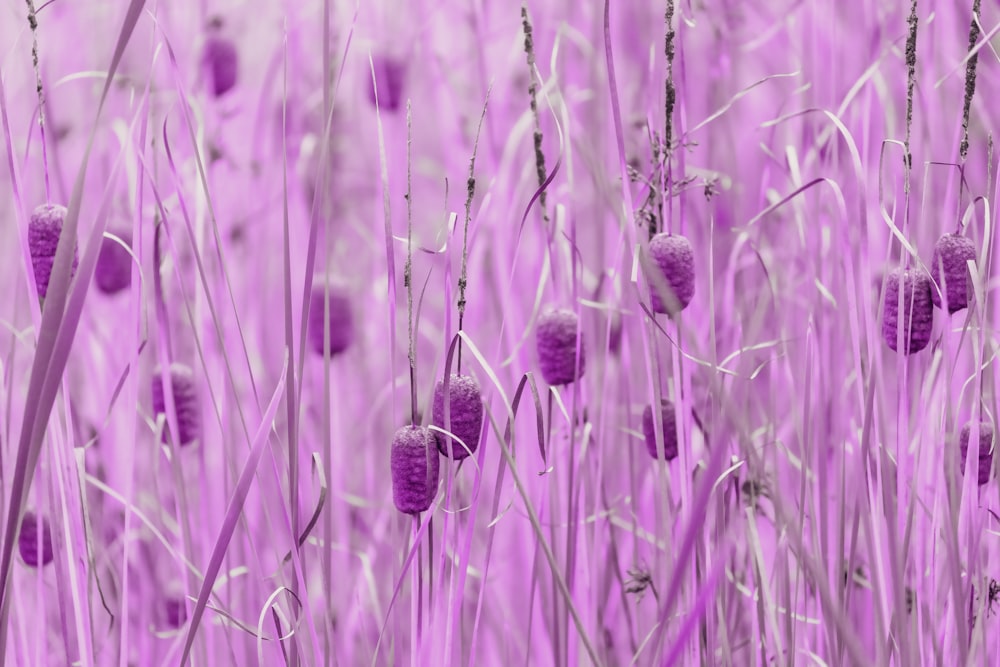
[916, 300]
[341, 319]
[186, 402]
[113, 271]
[175, 612]
[35, 540]
[221, 61]
[415, 469]
[669, 430]
[390, 75]
[985, 450]
[465, 415]
[673, 256]
[43, 238]
[555, 338]
[952, 252]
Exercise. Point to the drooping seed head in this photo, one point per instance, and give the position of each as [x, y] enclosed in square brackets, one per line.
[113, 271]
[670, 450]
[917, 315]
[34, 542]
[390, 75]
[951, 253]
[221, 62]
[985, 450]
[186, 402]
[466, 415]
[415, 469]
[44, 229]
[341, 318]
[673, 256]
[555, 338]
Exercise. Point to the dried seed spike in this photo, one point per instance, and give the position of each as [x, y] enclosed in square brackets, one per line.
[952, 252]
[555, 338]
[390, 73]
[916, 288]
[186, 402]
[34, 542]
[985, 450]
[415, 469]
[670, 450]
[341, 317]
[44, 229]
[465, 415]
[175, 611]
[113, 271]
[221, 60]
[673, 256]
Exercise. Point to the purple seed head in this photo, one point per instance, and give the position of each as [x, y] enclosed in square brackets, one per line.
[951, 253]
[44, 229]
[222, 64]
[34, 542]
[669, 430]
[186, 402]
[465, 415]
[341, 318]
[113, 271]
[916, 293]
[415, 469]
[555, 338]
[175, 612]
[985, 450]
[673, 256]
[390, 75]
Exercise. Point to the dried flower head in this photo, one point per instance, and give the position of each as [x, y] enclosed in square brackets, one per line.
[555, 338]
[34, 542]
[465, 415]
[341, 317]
[186, 402]
[949, 270]
[985, 465]
[669, 431]
[674, 258]
[918, 309]
[113, 271]
[415, 469]
[44, 229]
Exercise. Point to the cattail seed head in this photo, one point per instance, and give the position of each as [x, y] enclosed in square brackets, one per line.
[390, 74]
[465, 415]
[555, 338]
[985, 450]
[221, 61]
[951, 253]
[175, 612]
[44, 229]
[341, 318]
[34, 542]
[415, 469]
[673, 256]
[113, 271]
[669, 430]
[186, 402]
[916, 293]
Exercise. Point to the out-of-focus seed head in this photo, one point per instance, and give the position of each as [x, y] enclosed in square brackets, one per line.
[916, 292]
[341, 318]
[415, 469]
[390, 73]
[34, 542]
[985, 450]
[466, 415]
[670, 450]
[43, 238]
[951, 253]
[555, 338]
[221, 62]
[113, 271]
[186, 402]
[673, 256]
[175, 612]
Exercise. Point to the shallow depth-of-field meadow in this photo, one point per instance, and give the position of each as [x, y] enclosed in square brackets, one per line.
[470, 332]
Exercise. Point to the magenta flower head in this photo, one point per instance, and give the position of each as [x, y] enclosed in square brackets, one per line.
[341, 318]
[670, 450]
[390, 75]
[113, 271]
[555, 338]
[221, 62]
[186, 402]
[43, 238]
[951, 253]
[673, 256]
[415, 469]
[465, 415]
[916, 293]
[34, 542]
[985, 450]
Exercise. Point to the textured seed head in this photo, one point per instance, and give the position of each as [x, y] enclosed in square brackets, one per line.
[341, 318]
[175, 612]
[555, 338]
[390, 74]
[915, 287]
[34, 542]
[985, 450]
[673, 256]
[222, 64]
[43, 239]
[466, 415]
[113, 271]
[186, 402]
[415, 469]
[951, 253]
[669, 430]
